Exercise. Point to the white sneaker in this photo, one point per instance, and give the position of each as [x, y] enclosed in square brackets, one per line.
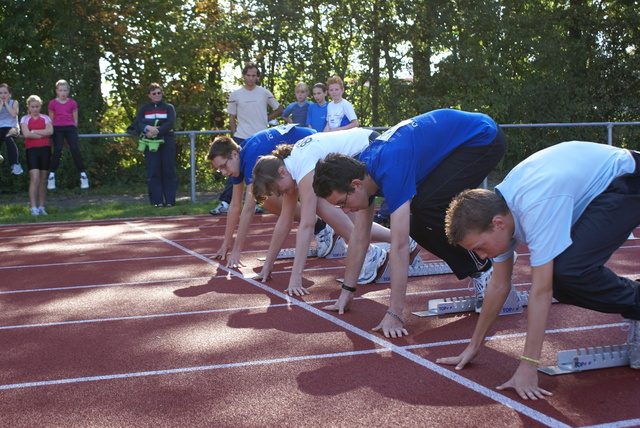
[480, 283]
[35, 211]
[51, 182]
[374, 259]
[16, 169]
[324, 241]
[84, 182]
[258, 209]
[222, 208]
[41, 211]
[1, 158]
[634, 344]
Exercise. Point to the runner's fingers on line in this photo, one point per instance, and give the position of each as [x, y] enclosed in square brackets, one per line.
[529, 392]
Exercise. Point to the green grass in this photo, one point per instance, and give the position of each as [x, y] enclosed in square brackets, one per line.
[13, 213]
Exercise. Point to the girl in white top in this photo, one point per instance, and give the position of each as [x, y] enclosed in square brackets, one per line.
[9, 127]
[289, 172]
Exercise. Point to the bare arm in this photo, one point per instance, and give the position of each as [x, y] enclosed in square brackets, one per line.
[232, 124]
[358, 245]
[276, 113]
[248, 211]
[75, 117]
[13, 110]
[399, 261]
[525, 379]
[232, 220]
[494, 298]
[280, 233]
[308, 205]
[353, 124]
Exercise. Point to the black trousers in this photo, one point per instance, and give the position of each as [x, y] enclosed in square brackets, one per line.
[580, 277]
[463, 169]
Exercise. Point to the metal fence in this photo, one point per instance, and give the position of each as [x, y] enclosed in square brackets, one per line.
[192, 138]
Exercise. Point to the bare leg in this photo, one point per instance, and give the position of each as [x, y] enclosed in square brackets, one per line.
[274, 205]
[42, 188]
[34, 183]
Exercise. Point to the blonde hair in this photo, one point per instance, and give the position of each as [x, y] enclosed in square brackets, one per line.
[335, 80]
[302, 87]
[62, 82]
[33, 98]
[265, 172]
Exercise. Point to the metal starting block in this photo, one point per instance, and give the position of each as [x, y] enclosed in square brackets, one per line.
[418, 268]
[453, 305]
[339, 251]
[579, 360]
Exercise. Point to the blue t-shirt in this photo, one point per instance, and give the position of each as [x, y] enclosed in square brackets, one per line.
[298, 112]
[263, 143]
[403, 157]
[317, 116]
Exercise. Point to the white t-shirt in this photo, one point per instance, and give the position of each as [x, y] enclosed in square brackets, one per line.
[308, 151]
[250, 108]
[549, 191]
[340, 114]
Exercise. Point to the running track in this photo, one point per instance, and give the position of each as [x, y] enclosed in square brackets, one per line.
[130, 323]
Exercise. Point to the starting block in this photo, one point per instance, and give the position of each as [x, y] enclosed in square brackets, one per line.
[418, 267]
[579, 360]
[632, 237]
[339, 251]
[453, 305]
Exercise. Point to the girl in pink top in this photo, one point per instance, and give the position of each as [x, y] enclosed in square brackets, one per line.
[64, 114]
[36, 129]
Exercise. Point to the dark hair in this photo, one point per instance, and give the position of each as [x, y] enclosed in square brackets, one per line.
[222, 146]
[249, 66]
[154, 86]
[265, 172]
[472, 211]
[321, 86]
[335, 173]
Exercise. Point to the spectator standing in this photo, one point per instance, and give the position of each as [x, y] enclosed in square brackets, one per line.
[340, 112]
[9, 127]
[317, 112]
[247, 108]
[297, 112]
[36, 129]
[156, 121]
[63, 111]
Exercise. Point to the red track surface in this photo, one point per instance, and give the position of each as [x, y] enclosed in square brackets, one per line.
[130, 323]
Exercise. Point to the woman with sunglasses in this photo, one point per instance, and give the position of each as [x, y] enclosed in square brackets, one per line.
[156, 120]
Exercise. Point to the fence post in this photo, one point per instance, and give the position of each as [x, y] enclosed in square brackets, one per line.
[192, 141]
[610, 134]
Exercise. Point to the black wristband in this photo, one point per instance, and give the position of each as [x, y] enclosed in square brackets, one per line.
[346, 287]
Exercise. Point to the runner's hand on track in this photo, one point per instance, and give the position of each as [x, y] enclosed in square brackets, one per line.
[391, 327]
[342, 304]
[295, 287]
[234, 260]
[461, 360]
[525, 382]
[265, 275]
[222, 253]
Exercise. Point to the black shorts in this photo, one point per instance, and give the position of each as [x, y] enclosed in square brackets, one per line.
[39, 158]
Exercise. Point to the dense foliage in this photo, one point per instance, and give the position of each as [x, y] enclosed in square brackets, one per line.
[520, 61]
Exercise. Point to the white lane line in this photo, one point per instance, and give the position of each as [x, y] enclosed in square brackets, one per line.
[618, 424]
[189, 369]
[489, 393]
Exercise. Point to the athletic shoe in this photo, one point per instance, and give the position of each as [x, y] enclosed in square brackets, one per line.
[258, 209]
[51, 182]
[222, 208]
[41, 211]
[84, 182]
[16, 169]
[1, 159]
[325, 241]
[35, 211]
[373, 260]
[634, 344]
[480, 283]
